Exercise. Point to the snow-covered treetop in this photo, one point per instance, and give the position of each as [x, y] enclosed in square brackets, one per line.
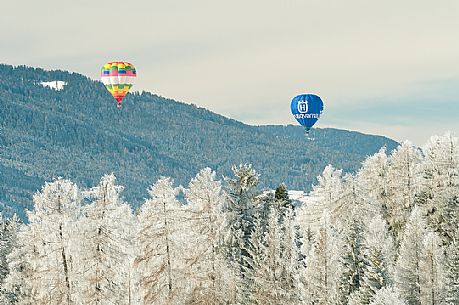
[247, 177]
[388, 296]
[56, 196]
[204, 190]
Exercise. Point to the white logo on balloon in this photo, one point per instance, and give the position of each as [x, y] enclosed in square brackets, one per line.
[303, 107]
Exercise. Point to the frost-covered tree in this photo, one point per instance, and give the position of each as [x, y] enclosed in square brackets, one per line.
[8, 240]
[275, 268]
[379, 261]
[255, 271]
[282, 200]
[326, 195]
[352, 261]
[388, 296]
[58, 207]
[408, 269]
[43, 261]
[352, 203]
[328, 189]
[156, 244]
[323, 265]
[24, 262]
[452, 271]
[239, 210]
[440, 184]
[403, 183]
[432, 271]
[103, 259]
[129, 276]
[373, 176]
[206, 269]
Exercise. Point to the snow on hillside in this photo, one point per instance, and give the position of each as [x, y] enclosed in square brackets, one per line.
[57, 85]
[298, 196]
[310, 210]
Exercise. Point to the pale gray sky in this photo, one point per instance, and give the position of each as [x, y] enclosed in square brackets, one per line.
[383, 67]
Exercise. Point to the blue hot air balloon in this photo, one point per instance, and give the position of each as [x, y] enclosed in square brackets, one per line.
[306, 109]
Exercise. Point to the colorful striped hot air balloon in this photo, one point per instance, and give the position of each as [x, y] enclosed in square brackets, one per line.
[118, 77]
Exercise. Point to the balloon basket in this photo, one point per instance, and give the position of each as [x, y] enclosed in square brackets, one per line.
[308, 135]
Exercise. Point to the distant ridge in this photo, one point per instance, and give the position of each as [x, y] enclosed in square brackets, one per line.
[78, 133]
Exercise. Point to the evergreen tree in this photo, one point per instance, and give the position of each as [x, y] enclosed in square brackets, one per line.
[239, 209]
[379, 259]
[282, 198]
[352, 261]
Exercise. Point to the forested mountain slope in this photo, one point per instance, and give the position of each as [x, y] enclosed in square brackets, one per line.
[79, 134]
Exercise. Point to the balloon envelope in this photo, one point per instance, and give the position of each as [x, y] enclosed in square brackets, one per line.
[118, 77]
[306, 109]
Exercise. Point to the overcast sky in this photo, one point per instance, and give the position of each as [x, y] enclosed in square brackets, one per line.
[381, 67]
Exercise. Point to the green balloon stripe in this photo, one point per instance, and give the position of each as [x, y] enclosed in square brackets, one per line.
[116, 68]
[118, 85]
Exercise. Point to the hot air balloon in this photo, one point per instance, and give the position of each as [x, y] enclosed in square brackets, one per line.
[306, 109]
[118, 77]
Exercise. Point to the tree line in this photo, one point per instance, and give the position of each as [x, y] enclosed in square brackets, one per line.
[387, 234]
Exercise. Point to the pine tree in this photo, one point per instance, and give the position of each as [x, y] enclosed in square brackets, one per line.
[282, 198]
[352, 261]
[379, 260]
[239, 210]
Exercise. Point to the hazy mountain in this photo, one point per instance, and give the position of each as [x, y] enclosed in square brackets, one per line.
[78, 133]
